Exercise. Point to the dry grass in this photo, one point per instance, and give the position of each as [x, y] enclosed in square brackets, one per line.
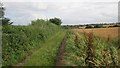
[101, 32]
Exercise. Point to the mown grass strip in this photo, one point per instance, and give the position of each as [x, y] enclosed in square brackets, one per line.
[46, 55]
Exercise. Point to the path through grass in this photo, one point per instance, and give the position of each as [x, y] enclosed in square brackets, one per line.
[46, 55]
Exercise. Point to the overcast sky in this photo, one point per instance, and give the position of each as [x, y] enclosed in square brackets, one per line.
[72, 12]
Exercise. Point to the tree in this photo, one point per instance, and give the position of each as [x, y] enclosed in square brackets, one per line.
[6, 21]
[3, 20]
[1, 10]
[56, 21]
[116, 25]
[98, 26]
[89, 26]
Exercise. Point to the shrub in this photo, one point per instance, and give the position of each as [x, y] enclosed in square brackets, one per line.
[17, 41]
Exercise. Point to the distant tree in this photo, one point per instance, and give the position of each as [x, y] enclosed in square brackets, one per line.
[98, 26]
[56, 21]
[89, 26]
[116, 25]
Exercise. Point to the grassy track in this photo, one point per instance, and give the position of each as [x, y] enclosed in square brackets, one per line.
[46, 55]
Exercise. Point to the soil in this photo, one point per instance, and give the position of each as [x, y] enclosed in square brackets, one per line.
[60, 56]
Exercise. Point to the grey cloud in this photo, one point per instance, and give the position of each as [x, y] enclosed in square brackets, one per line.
[70, 13]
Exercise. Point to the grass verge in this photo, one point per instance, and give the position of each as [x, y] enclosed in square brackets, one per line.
[46, 55]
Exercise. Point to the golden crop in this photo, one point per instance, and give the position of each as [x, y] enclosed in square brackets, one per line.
[101, 32]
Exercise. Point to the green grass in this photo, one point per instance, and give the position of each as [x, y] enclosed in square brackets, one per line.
[46, 55]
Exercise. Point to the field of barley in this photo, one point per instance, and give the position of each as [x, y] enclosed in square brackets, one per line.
[101, 32]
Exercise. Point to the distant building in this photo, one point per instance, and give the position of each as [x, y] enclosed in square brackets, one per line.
[83, 27]
[109, 25]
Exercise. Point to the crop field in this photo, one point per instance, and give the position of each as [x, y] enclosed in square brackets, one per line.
[92, 47]
[101, 32]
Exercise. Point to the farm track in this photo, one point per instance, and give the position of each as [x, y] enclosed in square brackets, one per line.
[20, 65]
[60, 56]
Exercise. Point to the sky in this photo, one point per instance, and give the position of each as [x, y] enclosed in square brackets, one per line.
[71, 12]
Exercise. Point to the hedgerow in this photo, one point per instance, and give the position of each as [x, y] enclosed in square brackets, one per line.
[18, 41]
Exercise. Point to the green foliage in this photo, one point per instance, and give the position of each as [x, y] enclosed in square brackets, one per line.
[38, 22]
[89, 26]
[46, 55]
[56, 21]
[106, 53]
[74, 55]
[6, 21]
[17, 41]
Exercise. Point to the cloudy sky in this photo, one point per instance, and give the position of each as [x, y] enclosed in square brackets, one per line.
[71, 12]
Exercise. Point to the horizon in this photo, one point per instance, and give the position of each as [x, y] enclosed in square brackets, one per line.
[75, 13]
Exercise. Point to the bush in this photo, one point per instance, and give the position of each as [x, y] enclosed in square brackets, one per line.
[17, 41]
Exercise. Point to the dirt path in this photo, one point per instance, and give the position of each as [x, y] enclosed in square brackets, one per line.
[60, 56]
[25, 59]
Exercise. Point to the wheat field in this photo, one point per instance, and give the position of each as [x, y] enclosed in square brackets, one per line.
[101, 32]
